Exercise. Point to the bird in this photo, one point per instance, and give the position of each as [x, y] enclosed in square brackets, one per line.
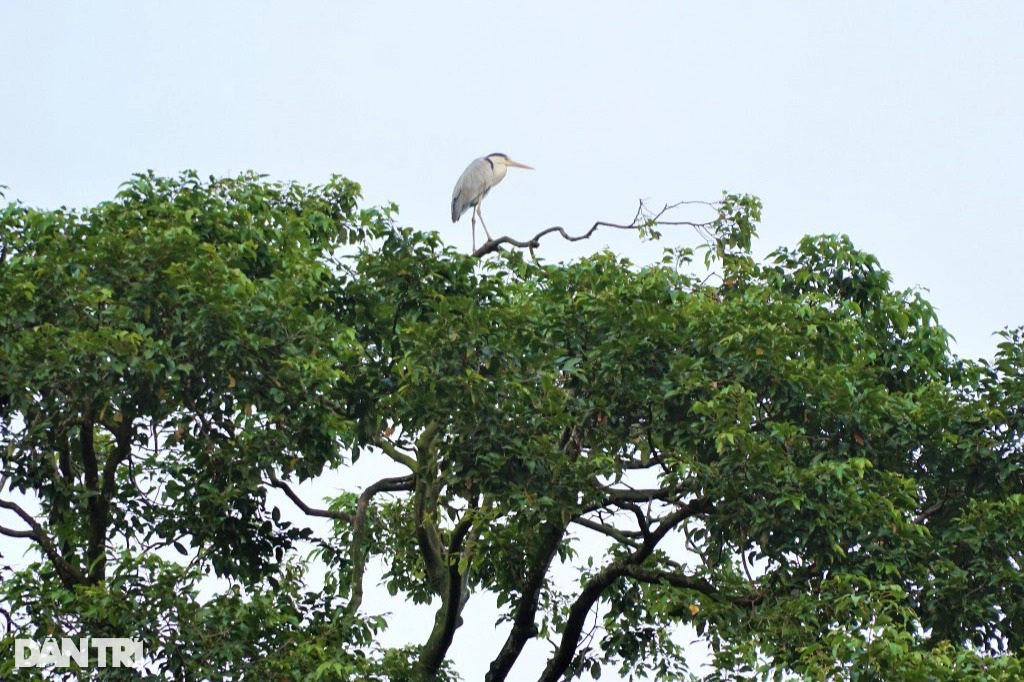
[474, 184]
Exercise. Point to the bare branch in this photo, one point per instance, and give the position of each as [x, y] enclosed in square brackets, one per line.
[680, 580]
[645, 218]
[309, 511]
[642, 521]
[643, 495]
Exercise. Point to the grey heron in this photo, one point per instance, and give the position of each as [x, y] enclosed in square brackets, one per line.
[474, 184]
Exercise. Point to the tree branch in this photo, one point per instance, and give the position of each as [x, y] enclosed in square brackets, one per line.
[389, 449]
[338, 515]
[645, 218]
[643, 495]
[11, 533]
[523, 625]
[97, 506]
[425, 497]
[359, 533]
[70, 575]
[934, 509]
[606, 577]
[625, 537]
[686, 582]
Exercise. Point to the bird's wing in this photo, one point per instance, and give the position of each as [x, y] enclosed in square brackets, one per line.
[473, 184]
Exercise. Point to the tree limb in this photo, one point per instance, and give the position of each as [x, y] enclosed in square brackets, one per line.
[338, 515]
[97, 506]
[603, 579]
[643, 495]
[625, 537]
[359, 533]
[934, 509]
[523, 625]
[11, 533]
[446, 621]
[389, 449]
[645, 218]
[686, 582]
[70, 575]
[425, 495]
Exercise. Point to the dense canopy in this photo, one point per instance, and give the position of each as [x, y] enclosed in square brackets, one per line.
[782, 454]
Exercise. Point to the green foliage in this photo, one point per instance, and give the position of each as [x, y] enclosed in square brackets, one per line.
[784, 456]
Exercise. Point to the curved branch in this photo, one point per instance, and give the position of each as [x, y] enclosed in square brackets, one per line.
[306, 509]
[454, 598]
[359, 533]
[70, 575]
[923, 517]
[642, 521]
[616, 495]
[644, 219]
[680, 580]
[389, 449]
[11, 533]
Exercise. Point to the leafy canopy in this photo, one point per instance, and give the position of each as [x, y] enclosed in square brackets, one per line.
[784, 456]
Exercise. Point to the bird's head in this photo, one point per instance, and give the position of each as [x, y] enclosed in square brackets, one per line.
[502, 159]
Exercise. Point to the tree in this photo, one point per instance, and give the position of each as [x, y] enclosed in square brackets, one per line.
[784, 455]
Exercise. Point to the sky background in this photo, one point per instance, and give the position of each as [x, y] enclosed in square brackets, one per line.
[898, 123]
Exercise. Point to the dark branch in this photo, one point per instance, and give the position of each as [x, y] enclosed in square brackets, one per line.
[686, 582]
[643, 495]
[425, 498]
[642, 521]
[524, 626]
[626, 537]
[97, 506]
[11, 533]
[934, 509]
[70, 575]
[606, 577]
[644, 219]
[306, 509]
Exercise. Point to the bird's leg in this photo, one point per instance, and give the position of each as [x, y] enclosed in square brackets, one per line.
[481, 214]
[474, 231]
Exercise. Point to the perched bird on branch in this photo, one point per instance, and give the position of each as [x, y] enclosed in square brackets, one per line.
[474, 184]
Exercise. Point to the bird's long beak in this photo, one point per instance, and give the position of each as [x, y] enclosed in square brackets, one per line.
[516, 164]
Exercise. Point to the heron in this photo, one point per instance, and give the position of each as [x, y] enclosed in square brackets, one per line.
[474, 184]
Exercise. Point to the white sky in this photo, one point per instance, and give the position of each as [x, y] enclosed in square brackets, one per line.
[899, 123]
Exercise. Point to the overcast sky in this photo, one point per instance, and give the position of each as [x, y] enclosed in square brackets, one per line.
[898, 123]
